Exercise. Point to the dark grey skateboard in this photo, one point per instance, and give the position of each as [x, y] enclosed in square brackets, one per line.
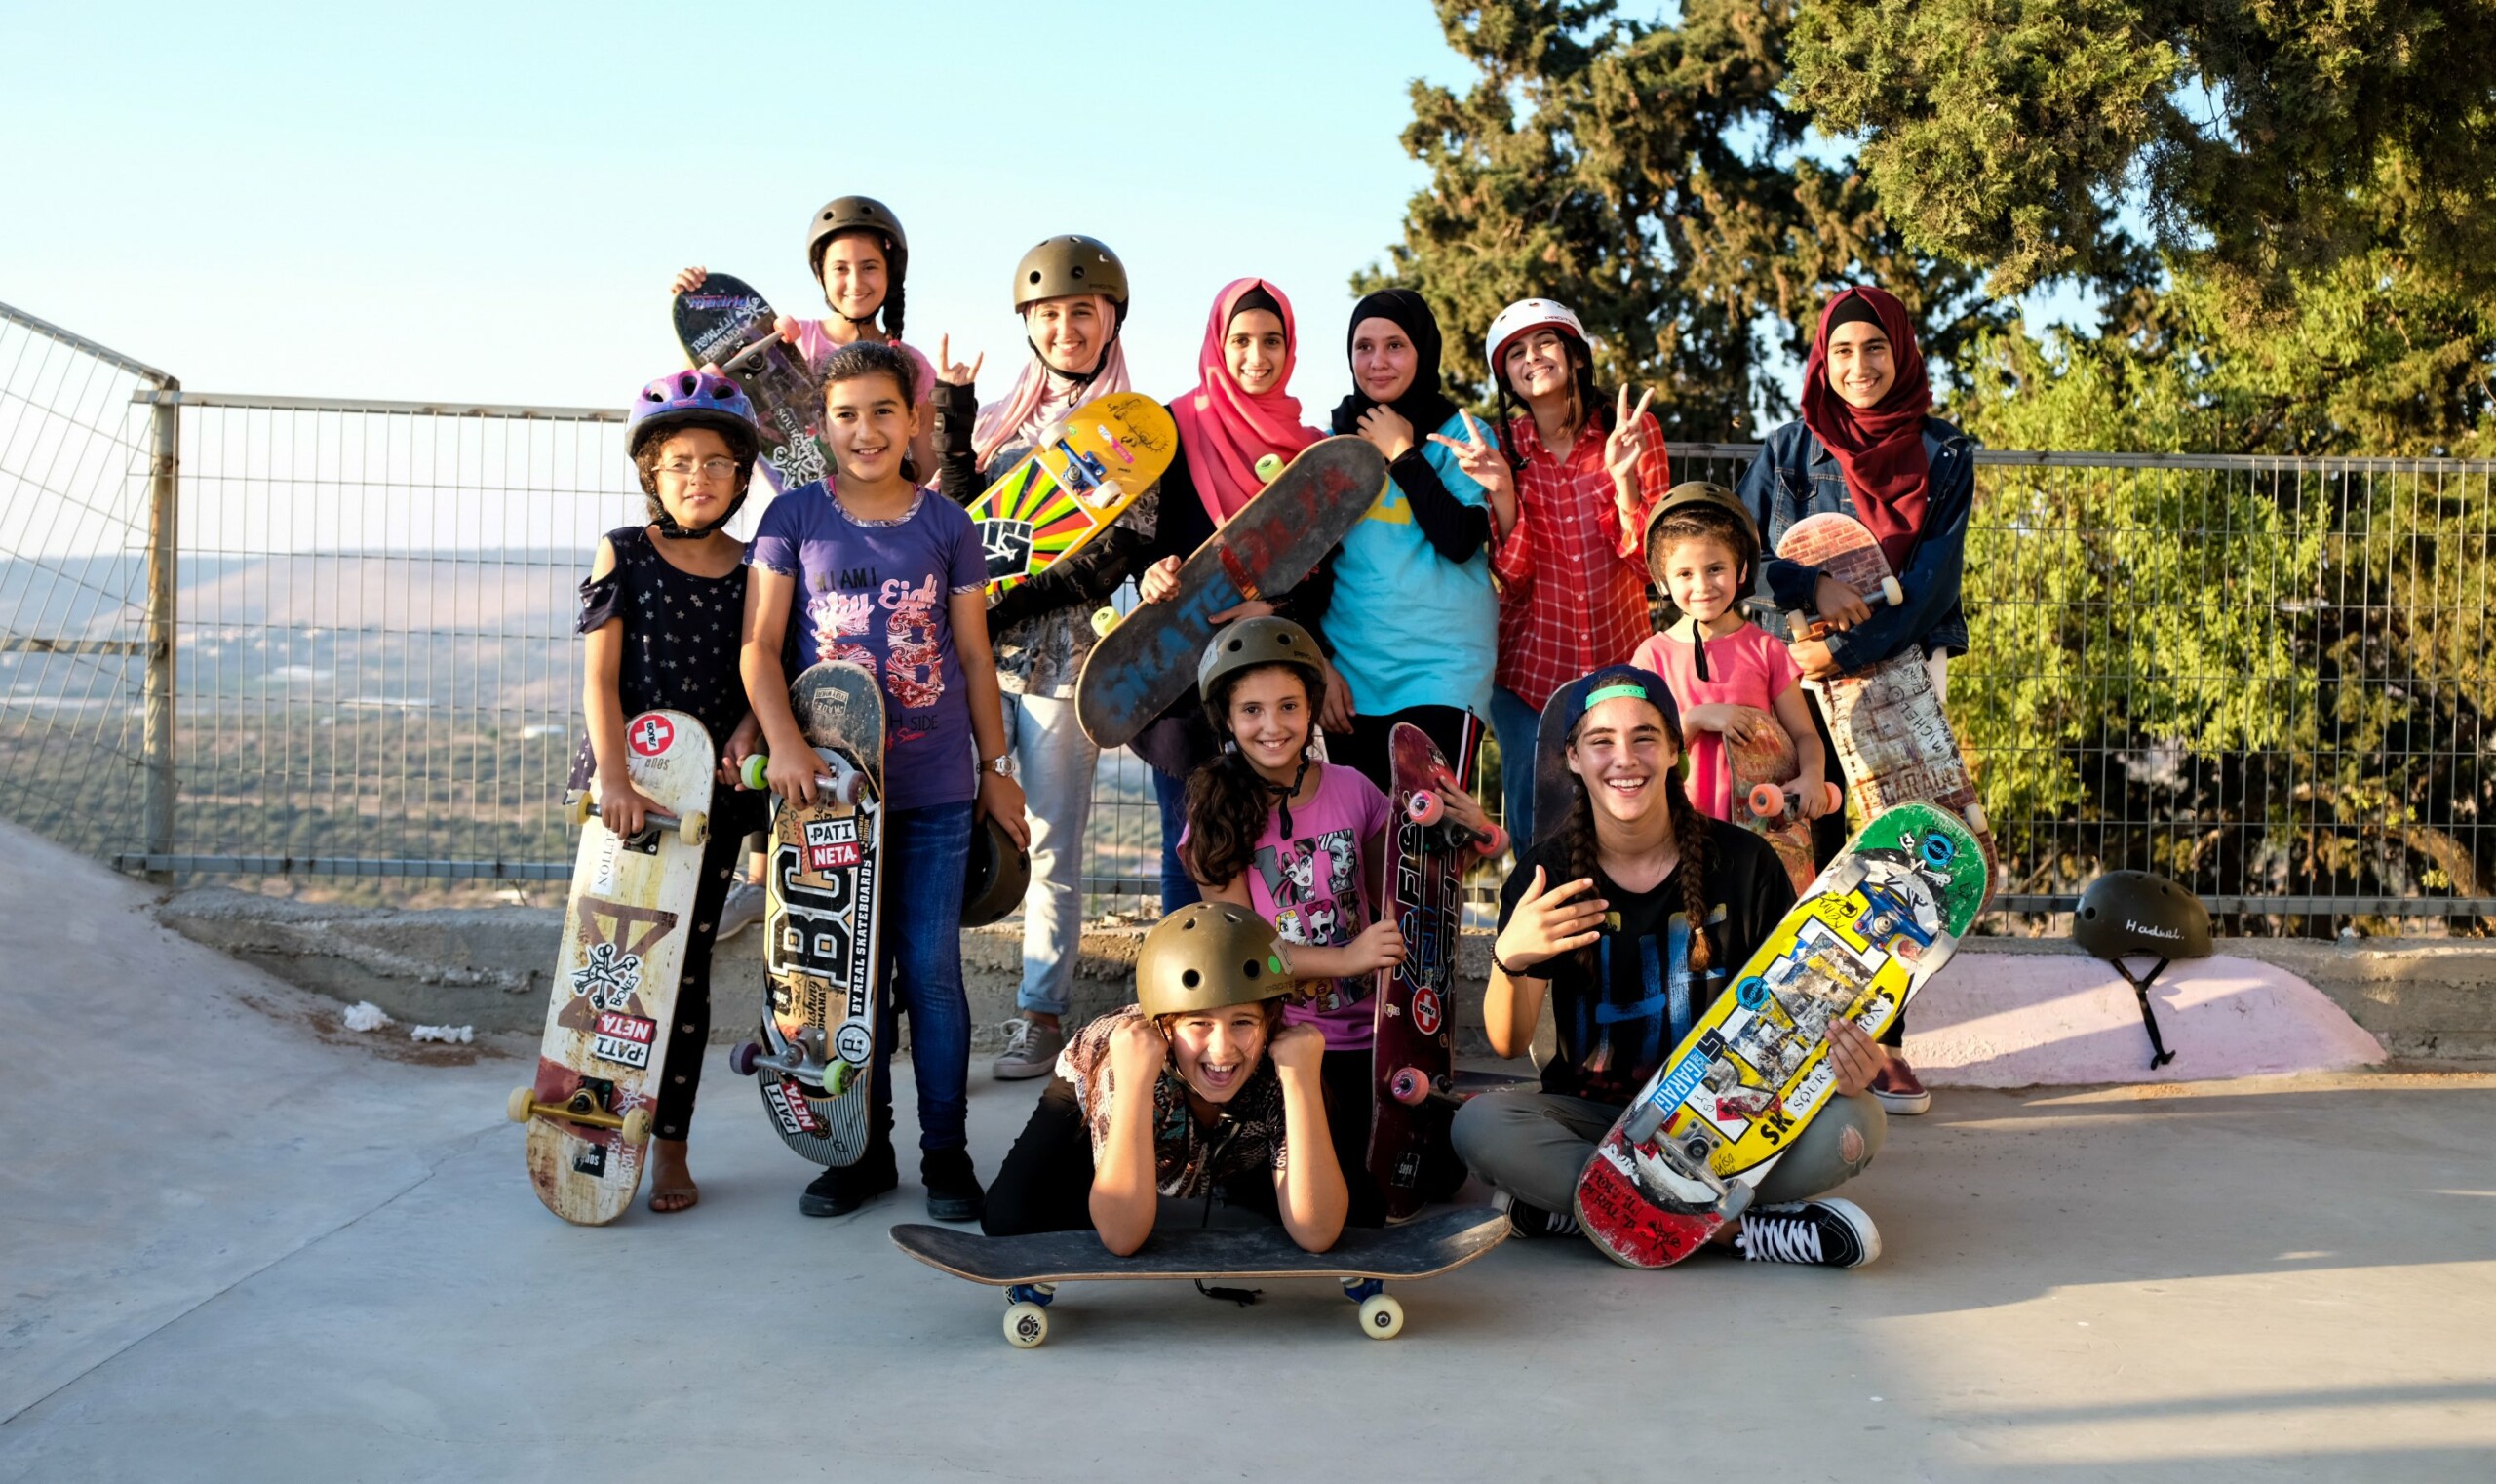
[726, 324]
[1029, 1268]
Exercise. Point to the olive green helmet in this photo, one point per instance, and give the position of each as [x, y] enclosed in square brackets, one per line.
[858, 213]
[1699, 491]
[1206, 957]
[1070, 264]
[1254, 642]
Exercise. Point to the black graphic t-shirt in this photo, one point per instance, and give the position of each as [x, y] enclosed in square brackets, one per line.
[1617, 1023]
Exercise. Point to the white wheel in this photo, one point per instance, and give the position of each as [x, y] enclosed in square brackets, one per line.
[521, 1103]
[1893, 594]
[636, 1126]
[577, 810]
[1382, 1317]
[694, 827]
[1028, 1324]
[1976, 818]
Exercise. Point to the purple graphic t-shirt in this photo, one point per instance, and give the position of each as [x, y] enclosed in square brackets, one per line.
[877, 594]
[1310, 886]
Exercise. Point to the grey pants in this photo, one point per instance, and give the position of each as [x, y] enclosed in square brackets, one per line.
[1534, 1145]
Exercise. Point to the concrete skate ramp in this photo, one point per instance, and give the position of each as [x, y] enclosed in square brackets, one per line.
[2062, 1020]
[174, 1121]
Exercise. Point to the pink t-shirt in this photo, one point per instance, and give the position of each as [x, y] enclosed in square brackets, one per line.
[1312, 888]
[1748, 667]
[817, 347]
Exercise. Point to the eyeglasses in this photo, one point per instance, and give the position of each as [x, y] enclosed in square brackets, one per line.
[709, 468]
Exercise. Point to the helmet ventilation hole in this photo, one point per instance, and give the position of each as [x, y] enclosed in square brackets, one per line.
[1190, 979]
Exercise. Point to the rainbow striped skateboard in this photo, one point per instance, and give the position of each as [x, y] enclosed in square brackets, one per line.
[1107, 453]
[1692, 1147]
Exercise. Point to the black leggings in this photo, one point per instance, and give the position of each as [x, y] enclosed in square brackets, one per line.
[1345, 1077]
[1366, 750]
[722, 862]
[1045, 1183]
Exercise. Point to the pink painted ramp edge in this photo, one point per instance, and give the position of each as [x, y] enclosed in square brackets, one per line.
[2007, 1020]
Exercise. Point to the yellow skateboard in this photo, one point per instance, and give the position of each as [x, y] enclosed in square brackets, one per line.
[1107, 453]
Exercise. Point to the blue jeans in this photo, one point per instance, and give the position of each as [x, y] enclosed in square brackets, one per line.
[1515, 723]
[1178, 888]
[1056, 762]
[927, 856]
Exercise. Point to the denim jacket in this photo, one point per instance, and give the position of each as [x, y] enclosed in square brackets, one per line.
[1795, 476]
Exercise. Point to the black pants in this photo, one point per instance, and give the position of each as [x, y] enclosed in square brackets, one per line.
[1454, 730]
[733, 815]
[1045, 1183]
[1345, 1075]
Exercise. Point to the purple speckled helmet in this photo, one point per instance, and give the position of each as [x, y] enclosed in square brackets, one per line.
[693, 399]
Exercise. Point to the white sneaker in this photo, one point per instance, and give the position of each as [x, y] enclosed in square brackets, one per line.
[1828, 1232]
[1030, 1050]
[742, 910]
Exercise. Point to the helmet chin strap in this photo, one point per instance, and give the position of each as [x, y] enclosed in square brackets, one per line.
[1076, 381]
[671, 531]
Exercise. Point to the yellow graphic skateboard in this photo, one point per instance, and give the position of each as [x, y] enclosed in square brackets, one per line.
[1106, 454]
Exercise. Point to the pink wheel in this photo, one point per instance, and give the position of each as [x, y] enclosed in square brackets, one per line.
[1425, 807]
[1767, 801]
[851, 784]
[1835, 795]
[1407, 1086]
[1494, 842]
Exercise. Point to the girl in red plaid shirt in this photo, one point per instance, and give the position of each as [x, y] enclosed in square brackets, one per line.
[1570, 496]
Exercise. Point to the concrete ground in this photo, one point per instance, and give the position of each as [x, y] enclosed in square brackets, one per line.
[238, 1244]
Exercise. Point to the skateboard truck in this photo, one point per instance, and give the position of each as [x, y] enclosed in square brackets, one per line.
[1425, 808]
[693, 829]
[801, 1061]
[844, 787]
[583, 1107]
[1768, 802]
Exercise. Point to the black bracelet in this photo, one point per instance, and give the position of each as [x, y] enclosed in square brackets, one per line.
[1502, 967]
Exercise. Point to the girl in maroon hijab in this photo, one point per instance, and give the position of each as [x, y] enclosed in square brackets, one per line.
[1866, 446]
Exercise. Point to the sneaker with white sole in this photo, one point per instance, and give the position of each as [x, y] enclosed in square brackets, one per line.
[742, 910]
[1030, 1050]
[1899, 1090]
[1828, 1232]
[1532, 1220]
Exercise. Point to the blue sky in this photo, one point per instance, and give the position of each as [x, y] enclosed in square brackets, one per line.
[484, 202]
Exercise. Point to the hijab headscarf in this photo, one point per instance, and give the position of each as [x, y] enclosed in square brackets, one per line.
[1879, 447]
[1223, 429]
[1044, 395]
[1425, 404]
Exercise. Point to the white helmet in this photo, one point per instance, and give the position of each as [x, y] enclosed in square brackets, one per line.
[1522, 316]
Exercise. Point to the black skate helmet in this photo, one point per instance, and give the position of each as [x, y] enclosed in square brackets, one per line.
[2142, 915]
[1001, 872]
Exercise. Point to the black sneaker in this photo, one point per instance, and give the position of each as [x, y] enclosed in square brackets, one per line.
[840, 1192]
[1829, 1232]
[953, 1186]
[1533, 1221]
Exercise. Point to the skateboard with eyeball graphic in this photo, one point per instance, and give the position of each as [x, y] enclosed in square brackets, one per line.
[1690, 1150]
[1102, 458]
[726, 323]
[626, 921]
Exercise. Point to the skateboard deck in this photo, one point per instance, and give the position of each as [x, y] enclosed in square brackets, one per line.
[1107, 453]
[625, 925]
[726, 324]
[1691, 1148]
[1414, 1054]
[814, 1058]
[1895, 743]
[1147, 659]
[1763, 773]
[1029, 1268]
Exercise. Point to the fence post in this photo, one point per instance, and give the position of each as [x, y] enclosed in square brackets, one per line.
[164, 501]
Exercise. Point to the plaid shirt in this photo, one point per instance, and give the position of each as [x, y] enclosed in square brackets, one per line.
[1572, 583]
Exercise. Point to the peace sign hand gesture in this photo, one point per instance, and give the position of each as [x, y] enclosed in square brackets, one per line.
[1632, 435]
[1485, 465]
[951, 371]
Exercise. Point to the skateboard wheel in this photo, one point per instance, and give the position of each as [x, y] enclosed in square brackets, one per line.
[1738, 1199]
[1798, 624]
[1407, 1086]
[1382, 1317]
[694, 827]
[1269, 466]
[848, 790]
[1835, 795]
[1846, 875]
[1025, 1325]
[755, 774]
[521, 1103]
[1891, 593]
[1494, 842]
[636, 1126]
[1943, 946]
[1425, 807]
[1104, 619]
[1767, 801]
[1109, 493]
[1975, 816]
[843, 1078]
[1643, 1123]
[577, 808]
[742, 1057]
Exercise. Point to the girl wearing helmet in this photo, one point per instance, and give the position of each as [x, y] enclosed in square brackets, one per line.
[1570, 498]
[1302, 844]
[1240, 411]
[1416, 564]
[861, 260]
[661, 608]
[1867, 446]
[1597, 917]
[1196, 1089]
[1072, 295]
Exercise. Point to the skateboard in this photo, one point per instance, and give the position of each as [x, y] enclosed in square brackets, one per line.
[726, 324]
[1893, 742]
[814, 1055]
[1107, 453]
[625, 926]
[1414, 1054]
[1147, 659]
[1029, 1268]
[1690, 1150]
[1764, 773]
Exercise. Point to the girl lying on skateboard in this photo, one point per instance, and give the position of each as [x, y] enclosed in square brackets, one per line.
[1196, 1089]
[1597, 915]
[661, 610]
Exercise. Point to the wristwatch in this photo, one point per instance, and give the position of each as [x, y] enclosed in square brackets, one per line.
[1003, 765]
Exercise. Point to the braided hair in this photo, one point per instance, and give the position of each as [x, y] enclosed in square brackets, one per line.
[1585, 402]
[1228, 801]
[1691, 842]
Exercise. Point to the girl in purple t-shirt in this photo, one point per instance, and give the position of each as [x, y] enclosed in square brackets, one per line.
[1302, 845]
[879, 572]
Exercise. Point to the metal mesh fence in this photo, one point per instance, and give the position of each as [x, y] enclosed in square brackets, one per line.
[2266, 678]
